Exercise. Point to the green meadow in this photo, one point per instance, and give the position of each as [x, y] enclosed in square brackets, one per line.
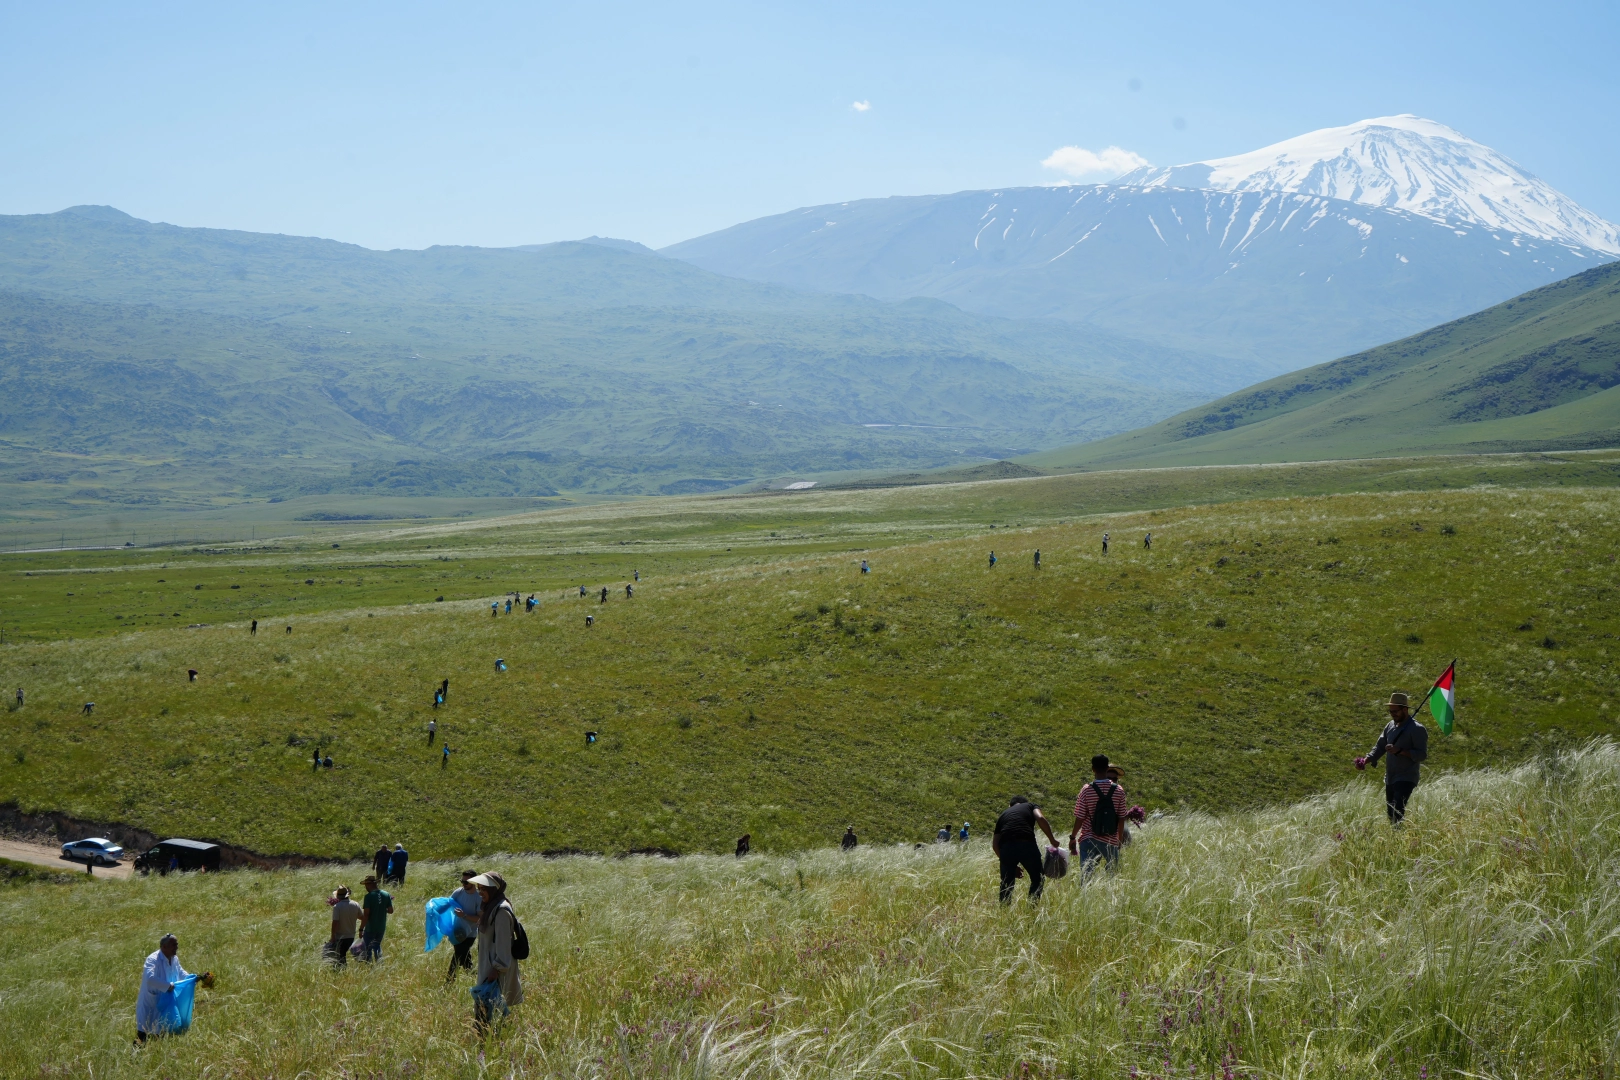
[757, 682]
[1479, 940]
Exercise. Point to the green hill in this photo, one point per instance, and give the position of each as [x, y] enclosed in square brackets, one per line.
[147, 364]
[1541, 371]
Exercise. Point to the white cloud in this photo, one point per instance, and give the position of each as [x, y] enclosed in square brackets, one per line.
[1078, 161]
[861, 106]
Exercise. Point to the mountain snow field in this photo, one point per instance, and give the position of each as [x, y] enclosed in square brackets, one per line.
[1404, 163]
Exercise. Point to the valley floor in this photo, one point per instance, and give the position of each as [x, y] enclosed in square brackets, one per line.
[758, 682]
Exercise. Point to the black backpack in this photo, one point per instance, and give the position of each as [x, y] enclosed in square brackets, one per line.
[520, 940]
[1104, 819]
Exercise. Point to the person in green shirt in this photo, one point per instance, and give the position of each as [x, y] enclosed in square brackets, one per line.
[374, 912]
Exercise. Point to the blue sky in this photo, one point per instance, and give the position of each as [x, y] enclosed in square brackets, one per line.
[407, 125]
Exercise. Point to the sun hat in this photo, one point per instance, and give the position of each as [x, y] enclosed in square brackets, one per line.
[491, 880]
[1398, 698]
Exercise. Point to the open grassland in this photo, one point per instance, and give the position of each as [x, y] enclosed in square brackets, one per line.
[45, 594]
[1478, 940]
[758, 683]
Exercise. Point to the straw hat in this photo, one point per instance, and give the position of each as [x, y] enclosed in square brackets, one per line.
[1398, 698]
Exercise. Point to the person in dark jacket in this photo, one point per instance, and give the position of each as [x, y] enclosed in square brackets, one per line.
[379, 861]
[1404, 745]
[849, 841]
[1013, 841]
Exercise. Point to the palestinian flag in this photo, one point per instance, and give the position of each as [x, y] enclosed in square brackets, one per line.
[1443, 699]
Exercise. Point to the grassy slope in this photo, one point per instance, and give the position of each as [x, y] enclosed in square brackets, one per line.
[1304, 941]
[1255, 640]
[1533, 372]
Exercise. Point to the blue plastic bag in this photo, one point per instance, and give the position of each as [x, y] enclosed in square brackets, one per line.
[174, 1006]
[441, 921]
[489, 993]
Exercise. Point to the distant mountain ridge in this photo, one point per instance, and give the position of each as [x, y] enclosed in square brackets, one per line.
[1314, 248]
[1401, 163]
[138, 360]
[1282, 279]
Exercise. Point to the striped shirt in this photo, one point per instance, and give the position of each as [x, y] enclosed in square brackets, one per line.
[1086, 805]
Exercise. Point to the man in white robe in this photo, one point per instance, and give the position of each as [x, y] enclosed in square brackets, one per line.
[158, 976]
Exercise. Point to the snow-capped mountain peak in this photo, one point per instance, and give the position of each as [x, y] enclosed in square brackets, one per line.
[1405, 163]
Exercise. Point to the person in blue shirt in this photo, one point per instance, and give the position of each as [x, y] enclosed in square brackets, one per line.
[963, 835]
[396, 864]
[468, 905]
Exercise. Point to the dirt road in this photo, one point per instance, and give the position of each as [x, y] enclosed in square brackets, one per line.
[42, 855]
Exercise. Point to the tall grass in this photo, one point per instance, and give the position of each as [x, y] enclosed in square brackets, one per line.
[1479, 939]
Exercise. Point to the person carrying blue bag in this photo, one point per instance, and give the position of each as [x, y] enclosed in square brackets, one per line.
[501, 944]
[455, 917]
[167, 993]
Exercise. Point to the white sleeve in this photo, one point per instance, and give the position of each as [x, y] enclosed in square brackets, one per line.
[155, 976]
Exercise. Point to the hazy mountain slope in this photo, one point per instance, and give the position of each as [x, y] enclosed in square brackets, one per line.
[1540, 371]
[279, 365]
[141, 381]
[1402, 163]
[1283, 279]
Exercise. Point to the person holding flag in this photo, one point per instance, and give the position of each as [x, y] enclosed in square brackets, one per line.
[1404, 745]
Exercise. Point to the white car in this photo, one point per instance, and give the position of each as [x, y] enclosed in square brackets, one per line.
[95, 851]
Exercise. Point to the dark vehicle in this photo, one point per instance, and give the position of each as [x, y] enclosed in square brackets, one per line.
[184, 855]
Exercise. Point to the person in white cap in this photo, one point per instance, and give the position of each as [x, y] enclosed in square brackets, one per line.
[158, 976]
[497, 926]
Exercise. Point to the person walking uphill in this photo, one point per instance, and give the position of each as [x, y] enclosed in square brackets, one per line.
[345, 920]
[1404, 745]
[501, 943]
[1013, 841]
[379, 861]
[374, 912]
[396, 864]
[1099, 819]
